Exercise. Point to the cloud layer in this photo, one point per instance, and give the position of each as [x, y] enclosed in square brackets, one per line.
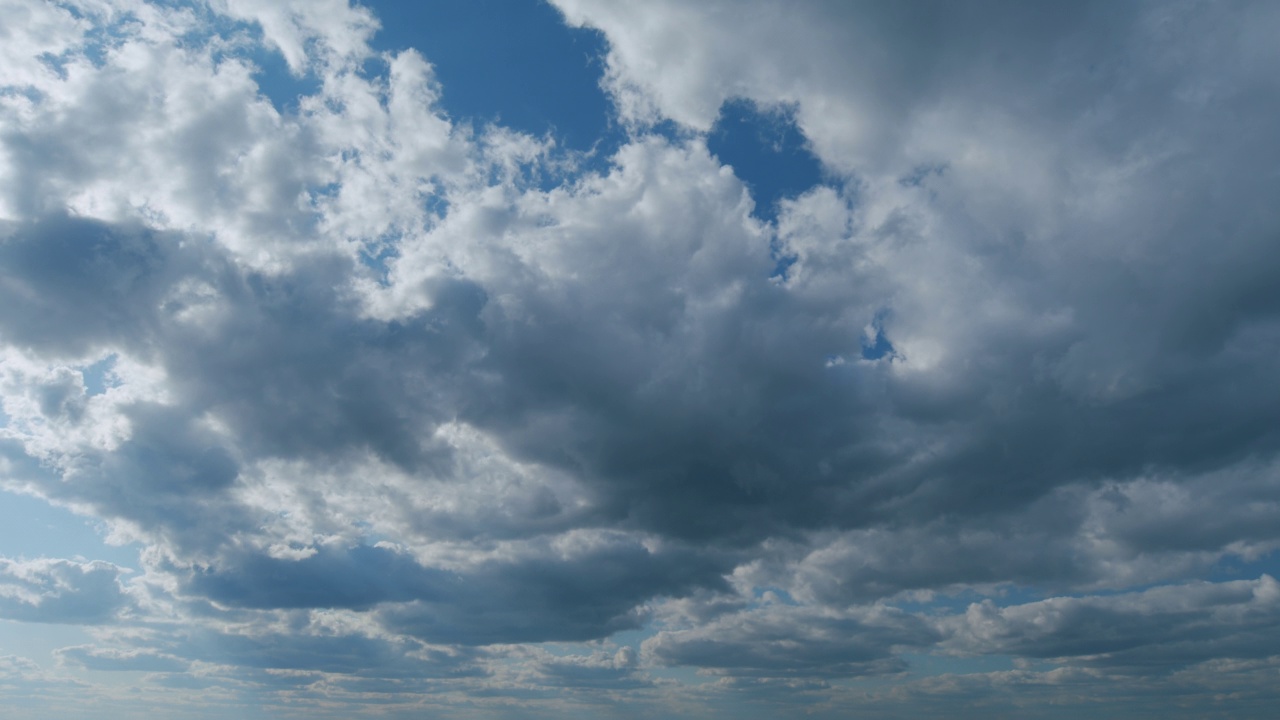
[406, 409]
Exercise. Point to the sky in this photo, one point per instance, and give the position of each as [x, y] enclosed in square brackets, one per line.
[746, 359]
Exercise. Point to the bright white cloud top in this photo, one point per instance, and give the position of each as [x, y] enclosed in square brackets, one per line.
[381, 407]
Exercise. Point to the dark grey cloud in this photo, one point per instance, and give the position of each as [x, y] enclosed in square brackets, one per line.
[1077, 538]
[358, 577]
[175, 478]
[253, 348]
[170, 477]
[585, 596]
[72, 286]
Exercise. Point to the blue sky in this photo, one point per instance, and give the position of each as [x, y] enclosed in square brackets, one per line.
[515, 359]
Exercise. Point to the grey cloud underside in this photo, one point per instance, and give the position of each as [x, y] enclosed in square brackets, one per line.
[524, 600]
[1164, 628]
[747, 435]
[558, 415]
[735, 457]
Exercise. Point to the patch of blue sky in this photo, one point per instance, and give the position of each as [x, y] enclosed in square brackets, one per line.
[782, 262]
[245, 41]
[878, 349]
[875, 343]
[513, 63]
[98, 38]
[920, 174]
[376, 258]
[38, 641]
[437, 205]
[32, 528]
[771, 595]
[276, 82]
[632, 638]
[98, 377]
[768, 152]
[670, 130]
[1235, 567]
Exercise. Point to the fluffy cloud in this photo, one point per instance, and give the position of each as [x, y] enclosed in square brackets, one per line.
[1054, 314]
[381, 393]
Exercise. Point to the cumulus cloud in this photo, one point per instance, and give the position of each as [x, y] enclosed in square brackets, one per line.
[379, 393]
[1024, 264]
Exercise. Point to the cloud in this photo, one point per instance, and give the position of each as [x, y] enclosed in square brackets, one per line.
[1169, 626]
[28, 686]
[576, 593]
[349, 653]
[997, 276]
[780, 640]
[1077, 538]
[335, 30]
[61, 591]
[96, 658]
[357, 578]
[452, 386]
[600, 670]
[73, 286]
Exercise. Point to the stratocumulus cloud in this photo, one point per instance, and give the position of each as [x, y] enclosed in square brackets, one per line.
[404, 405]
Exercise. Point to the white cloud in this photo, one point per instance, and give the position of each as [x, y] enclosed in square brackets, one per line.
[365, 362]
[328, 33]
[61, 591]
